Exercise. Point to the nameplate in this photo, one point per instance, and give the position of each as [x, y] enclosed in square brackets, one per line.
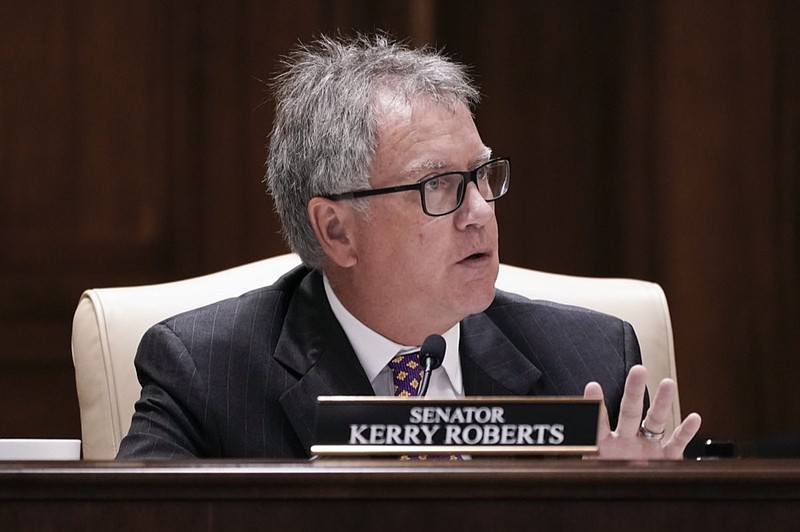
[471, 425]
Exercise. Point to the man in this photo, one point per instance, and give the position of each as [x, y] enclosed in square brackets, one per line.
[386, 191]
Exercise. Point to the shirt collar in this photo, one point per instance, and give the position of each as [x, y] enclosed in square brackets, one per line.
[374, 351]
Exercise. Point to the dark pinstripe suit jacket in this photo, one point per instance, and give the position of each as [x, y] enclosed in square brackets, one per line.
[239, 378]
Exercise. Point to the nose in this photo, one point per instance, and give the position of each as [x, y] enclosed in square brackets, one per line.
[474, 210]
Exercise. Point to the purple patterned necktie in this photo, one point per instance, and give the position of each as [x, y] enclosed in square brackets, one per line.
[407, 376]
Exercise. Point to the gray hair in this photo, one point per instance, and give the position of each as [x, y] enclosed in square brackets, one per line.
[324, 136]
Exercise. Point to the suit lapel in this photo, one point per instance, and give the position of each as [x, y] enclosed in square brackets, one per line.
[314, 347]
[490, 363]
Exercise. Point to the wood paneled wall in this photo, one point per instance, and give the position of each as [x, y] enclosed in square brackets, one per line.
[657, 140]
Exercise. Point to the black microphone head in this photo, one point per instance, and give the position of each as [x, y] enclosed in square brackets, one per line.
[433, 347]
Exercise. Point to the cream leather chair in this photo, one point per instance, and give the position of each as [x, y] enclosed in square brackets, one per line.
[109, 322]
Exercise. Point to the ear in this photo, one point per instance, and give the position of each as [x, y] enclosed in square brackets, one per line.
[332, 222]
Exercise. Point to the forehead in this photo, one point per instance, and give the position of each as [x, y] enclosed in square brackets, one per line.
[424, 134]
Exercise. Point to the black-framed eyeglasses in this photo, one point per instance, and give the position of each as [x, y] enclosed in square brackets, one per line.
[444, 193]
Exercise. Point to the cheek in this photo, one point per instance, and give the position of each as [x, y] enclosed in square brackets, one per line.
[402, 238]
[410, 232]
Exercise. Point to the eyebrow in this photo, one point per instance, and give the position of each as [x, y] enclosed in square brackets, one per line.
[438, 164]
[483, 157]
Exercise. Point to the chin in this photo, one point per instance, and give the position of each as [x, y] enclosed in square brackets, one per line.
[478, 299]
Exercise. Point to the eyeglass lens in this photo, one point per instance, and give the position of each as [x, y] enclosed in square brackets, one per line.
[444, 193]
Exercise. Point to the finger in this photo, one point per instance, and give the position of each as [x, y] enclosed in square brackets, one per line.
[661, 407]
[630, 408]
[682, 436]
[593, 390]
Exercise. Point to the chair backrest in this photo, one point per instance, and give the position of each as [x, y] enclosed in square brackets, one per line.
[109, 323]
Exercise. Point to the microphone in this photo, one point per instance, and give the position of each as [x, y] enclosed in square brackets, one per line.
[431, 355]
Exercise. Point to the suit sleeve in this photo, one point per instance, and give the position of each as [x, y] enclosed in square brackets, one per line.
[617, 361]
[633, 357]
[169, 417]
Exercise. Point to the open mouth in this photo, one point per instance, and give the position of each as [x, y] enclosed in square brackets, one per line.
[475, 256]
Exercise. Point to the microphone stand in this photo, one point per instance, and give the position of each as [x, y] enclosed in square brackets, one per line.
[426, 376]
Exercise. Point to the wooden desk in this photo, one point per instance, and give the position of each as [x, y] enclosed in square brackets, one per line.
[496, 495]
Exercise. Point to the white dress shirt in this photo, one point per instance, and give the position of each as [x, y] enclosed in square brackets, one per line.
[375, 351]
